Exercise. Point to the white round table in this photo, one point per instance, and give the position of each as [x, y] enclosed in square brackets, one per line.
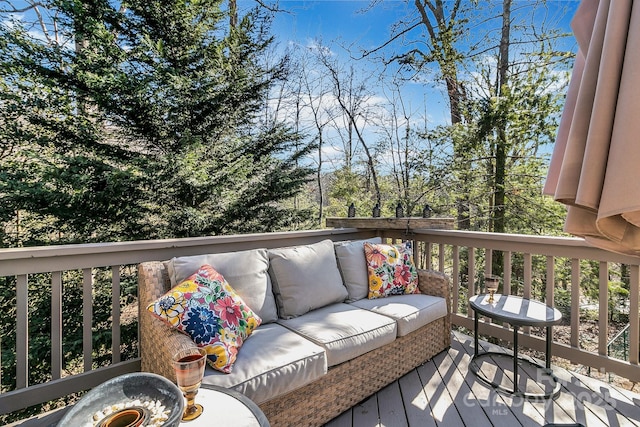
[224, 407]
[516, 311]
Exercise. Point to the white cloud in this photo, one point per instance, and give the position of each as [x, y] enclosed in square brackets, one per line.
[317, 48]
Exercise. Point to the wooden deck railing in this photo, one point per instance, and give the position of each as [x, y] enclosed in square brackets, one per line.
[460, 254]
[55, 261]
[466, 254]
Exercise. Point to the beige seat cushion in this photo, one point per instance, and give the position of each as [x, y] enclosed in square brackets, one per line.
[410, 311]
[344, 331]
[305, 278]
[353, 267]
[271, 362]
[246, 272]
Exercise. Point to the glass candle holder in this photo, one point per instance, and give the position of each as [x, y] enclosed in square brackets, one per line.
[491, 284]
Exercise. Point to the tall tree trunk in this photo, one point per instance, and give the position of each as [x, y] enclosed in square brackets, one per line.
[501, 147]
[443, 50]
[498, 215]
[233, 14]
[445, 53]
[319, 177]
[339, 94]
[370, 162]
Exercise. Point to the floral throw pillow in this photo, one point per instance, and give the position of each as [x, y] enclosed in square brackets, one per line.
[206, 308]
[391, 270]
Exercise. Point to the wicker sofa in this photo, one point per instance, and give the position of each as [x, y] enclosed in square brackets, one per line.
[333, 377]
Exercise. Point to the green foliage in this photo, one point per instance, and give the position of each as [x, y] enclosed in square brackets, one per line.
[60, 172]
[346, 187]
[138, 122]
[39, 306]
[618, 296]
[562, 301]
[147, 129]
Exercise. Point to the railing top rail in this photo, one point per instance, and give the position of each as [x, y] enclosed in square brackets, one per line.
[30, 260]
[570, 247]
[77, 249]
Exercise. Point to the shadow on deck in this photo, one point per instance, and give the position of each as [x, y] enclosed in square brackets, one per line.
[444, 392]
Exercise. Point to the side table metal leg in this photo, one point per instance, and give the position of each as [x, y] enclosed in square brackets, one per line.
[548, 354]
[475, 334]
[515, 358]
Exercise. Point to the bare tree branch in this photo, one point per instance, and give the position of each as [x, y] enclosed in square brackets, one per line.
[13, 9]
[388, 42]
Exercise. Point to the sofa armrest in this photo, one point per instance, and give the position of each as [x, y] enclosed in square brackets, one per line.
[158, 341]
[435, 283]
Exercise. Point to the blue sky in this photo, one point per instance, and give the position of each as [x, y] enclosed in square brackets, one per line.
[353, 23]
[335, 19]
[347, 19]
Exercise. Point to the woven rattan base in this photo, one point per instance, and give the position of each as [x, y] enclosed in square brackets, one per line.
[349, 383]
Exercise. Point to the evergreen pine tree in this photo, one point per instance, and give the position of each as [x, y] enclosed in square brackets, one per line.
[147, 125]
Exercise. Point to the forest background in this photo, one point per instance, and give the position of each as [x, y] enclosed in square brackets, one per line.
[187, 118]
[152, 119]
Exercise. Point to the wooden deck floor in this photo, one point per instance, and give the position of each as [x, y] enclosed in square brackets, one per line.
[444, 392]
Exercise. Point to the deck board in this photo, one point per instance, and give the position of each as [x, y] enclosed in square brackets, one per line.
[391, 407]
[366, 412]
[473, 413]
[343, 420]
[435, 381]
[495, 405]
[416, 404]
[444, 392]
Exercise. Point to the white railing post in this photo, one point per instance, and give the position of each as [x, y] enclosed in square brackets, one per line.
[456, 278]
[506, 278]
[488, 263]
[471, 278]
[526, 289]
[550, 281]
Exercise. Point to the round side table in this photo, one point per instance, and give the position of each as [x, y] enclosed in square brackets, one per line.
[516, 311]
[223, 407]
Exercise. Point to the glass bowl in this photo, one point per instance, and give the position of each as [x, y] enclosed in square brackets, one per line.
[127, 389]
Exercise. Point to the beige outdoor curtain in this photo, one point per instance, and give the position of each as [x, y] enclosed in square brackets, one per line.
[595, 166]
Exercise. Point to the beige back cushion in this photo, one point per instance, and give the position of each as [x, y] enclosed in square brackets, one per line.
[353, 266]
[246, 272]
[305, 278]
